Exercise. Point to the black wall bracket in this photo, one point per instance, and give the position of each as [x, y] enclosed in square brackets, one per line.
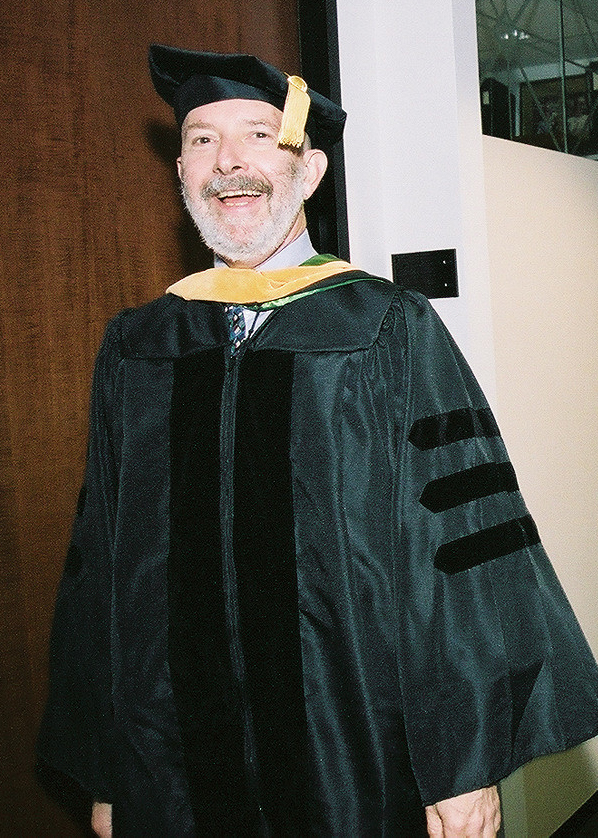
[431, 272]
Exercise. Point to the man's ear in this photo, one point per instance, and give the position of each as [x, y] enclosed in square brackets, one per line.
[179, 168]
[316, 164]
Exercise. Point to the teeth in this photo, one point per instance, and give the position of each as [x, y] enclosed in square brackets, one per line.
[239, 194]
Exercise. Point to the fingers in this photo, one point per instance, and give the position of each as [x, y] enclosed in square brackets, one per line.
[472, 815]
[101, 819]
[434, 824]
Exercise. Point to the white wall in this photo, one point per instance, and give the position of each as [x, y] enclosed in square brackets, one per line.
[413, 149]
[542, 216]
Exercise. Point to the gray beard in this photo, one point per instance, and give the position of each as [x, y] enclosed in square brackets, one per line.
[231, 245]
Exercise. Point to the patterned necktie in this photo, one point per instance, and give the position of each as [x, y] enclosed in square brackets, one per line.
[236, 325]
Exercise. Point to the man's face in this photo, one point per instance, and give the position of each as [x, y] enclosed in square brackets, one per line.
[244, 193]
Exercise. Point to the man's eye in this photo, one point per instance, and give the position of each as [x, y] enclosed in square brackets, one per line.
[201, 140]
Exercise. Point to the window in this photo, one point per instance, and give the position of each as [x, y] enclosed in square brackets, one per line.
[538, 62]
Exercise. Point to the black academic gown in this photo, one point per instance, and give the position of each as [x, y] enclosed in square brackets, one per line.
[304, 595]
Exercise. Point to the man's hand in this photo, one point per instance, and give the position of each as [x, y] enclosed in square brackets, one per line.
[101, 819]
[472, 815]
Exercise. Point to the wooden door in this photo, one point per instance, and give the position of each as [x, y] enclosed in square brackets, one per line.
[91, 222]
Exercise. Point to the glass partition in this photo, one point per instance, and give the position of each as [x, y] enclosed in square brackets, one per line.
[538, 63]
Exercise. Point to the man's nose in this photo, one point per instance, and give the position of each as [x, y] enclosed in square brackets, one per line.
[229, 158]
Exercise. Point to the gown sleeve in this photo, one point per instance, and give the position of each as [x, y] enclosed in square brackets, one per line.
[494, 667]
[75, 738]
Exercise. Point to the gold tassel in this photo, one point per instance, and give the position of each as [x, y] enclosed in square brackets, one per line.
[294, 115]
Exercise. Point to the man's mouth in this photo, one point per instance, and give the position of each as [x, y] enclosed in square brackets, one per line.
[238, 197]
[237, 192]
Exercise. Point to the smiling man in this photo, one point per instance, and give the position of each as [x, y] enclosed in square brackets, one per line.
[244, 193]
[304, 596]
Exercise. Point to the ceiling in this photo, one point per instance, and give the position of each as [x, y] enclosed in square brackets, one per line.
[526, 33]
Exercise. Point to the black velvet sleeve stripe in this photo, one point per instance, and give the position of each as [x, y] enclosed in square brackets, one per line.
[468, 485]
[445, 428]
[485, 545]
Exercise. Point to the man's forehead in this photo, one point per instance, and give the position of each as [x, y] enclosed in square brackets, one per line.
[233, 112]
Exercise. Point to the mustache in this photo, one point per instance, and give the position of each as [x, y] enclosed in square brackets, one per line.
[222, 183]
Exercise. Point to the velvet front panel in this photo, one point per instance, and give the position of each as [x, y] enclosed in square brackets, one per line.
[232, 700]
[264, 549]
[206, 694]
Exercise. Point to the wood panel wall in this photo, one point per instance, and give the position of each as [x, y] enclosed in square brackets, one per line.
[90, 222]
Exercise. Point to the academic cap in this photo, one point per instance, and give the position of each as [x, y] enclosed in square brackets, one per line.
[186, 79]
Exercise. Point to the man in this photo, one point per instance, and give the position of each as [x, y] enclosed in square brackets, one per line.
[304, 595]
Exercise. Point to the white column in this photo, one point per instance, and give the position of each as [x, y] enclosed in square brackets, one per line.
[413, 149]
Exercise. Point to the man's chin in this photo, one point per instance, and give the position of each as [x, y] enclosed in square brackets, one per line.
[232, 252]
[244, 259]
[243, 251]
[244, 245]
